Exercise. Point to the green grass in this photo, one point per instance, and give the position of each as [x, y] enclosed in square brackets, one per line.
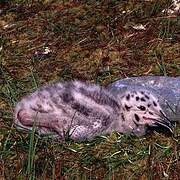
[93, 41]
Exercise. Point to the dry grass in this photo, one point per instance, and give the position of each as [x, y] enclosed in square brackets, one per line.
[88, 40]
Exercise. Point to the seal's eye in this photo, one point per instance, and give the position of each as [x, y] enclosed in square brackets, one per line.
[142, 108]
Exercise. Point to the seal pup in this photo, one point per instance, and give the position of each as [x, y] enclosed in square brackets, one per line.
[80, 111]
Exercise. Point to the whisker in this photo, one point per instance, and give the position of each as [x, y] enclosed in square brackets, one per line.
[165, 124]
[164, 116]
[170, 107]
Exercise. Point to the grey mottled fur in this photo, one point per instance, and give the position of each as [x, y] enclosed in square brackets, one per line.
[166, 89]
[75, 109]
[79, 110]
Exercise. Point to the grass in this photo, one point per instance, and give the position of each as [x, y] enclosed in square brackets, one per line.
[93, 41]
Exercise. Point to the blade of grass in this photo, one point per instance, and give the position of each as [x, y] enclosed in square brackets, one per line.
[31, 154]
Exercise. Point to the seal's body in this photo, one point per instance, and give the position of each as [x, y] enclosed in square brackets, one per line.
[80, 111]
